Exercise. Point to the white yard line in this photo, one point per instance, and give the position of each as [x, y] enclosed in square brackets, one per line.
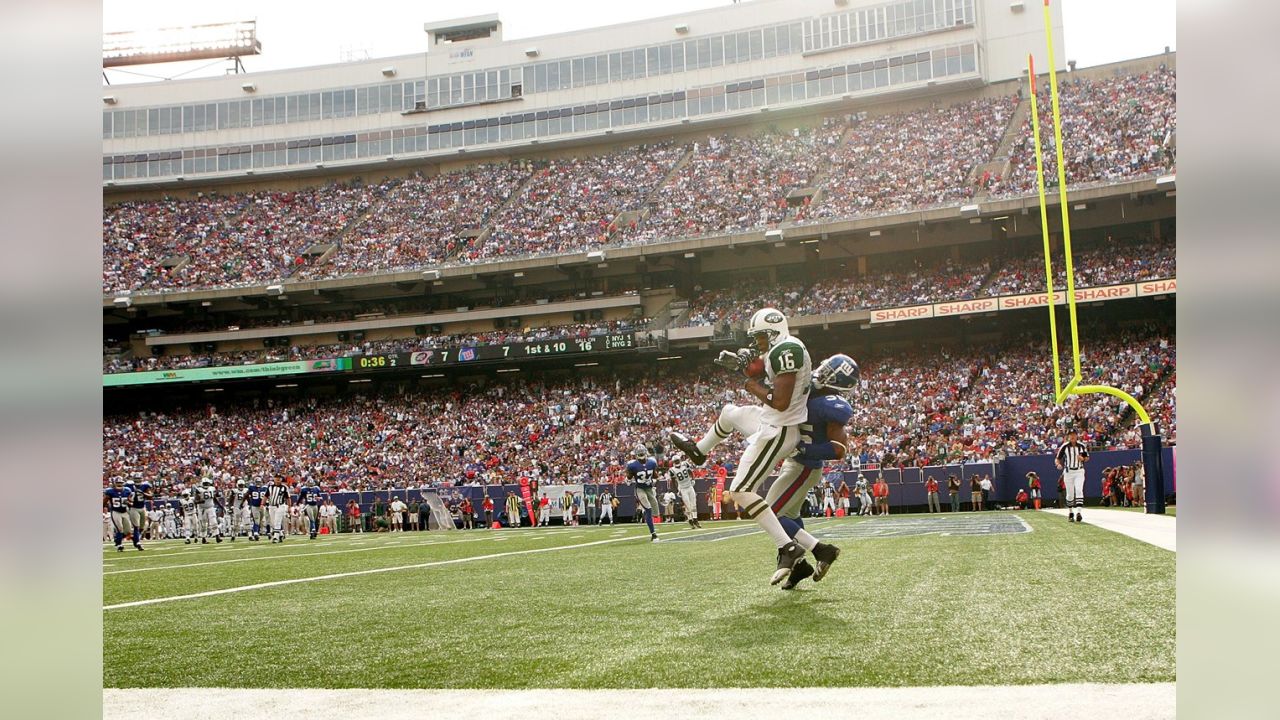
[1154, 701]
[1158, 530]
[286, 556]
[372, 571]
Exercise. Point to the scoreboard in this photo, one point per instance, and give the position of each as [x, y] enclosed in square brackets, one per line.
[466, 354]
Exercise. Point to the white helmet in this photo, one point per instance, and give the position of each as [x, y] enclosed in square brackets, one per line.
[206, 482]
[240, 483]
[769, 321]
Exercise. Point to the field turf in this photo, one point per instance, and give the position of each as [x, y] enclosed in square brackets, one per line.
[604, 608]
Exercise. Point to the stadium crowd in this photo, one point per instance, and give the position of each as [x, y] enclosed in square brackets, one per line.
[923, 407]
[1117, 128]
[994, 403]
[913, 159]
[220, 241]
[421, 220]
[908, 281]
[1112, 129]
[565, 431]
[904, 280]
[736, 182]
[1094, 267]
[571, 204]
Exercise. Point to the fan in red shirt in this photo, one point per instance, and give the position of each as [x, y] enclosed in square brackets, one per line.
[931, 488]
[487, 505]
[465, 509]
[881, 492]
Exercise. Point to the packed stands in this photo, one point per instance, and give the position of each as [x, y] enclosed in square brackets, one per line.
[907, 281]
[571, 203]
[1116, 128]
[915, 159]
[421, 220]
[1112, 129]
[920, 407]
[732, 183]
[1105, 265]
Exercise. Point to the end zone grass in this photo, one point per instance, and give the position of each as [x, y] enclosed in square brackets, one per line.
[1063, 603]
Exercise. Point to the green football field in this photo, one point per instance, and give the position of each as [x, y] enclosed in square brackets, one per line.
[995, 598]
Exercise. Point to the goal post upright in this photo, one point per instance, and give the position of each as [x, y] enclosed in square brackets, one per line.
[1151, 440]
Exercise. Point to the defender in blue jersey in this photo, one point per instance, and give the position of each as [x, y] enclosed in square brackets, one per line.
[117, 500]
[822, 438]
[254, 494]
[138, 502]
[309, 498]
[642, 471]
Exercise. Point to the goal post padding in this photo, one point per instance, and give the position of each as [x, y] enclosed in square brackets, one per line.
[438, 511]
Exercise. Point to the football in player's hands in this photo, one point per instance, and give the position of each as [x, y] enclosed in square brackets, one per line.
[755, 368]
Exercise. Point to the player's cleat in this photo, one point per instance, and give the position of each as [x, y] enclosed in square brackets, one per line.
[801, 571]
[1071, 517]
[1079, 517]
[204, 541]
[788, 556]
[187, 541]
[119, 548]
[688, 447]
[138, 545]
[233, 539]
[653, 537]
[825, 555]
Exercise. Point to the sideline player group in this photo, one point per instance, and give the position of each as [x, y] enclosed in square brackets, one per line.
[201, 513]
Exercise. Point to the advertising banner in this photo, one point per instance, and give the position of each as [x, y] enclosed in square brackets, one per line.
[914, 312]
[965, 307]
[1157, 287]
[227, 372]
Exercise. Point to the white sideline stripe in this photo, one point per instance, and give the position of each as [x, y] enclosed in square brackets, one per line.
[251, 547]
[356, 573]
[1158, 530]
[1155, 701]
[290, 555]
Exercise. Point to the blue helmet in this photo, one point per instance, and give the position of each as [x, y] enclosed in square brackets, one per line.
[838, 372]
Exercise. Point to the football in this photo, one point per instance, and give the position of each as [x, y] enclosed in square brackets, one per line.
[755, 368]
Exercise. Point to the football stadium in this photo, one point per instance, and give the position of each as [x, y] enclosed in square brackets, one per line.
[699, 366]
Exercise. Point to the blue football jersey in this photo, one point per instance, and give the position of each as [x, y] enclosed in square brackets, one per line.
[140, 492]
[119, 498]
[255, 494]
[823, 409]
[309, 495]
[644, 472]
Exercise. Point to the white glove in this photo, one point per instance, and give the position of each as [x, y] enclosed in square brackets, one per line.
[730, 360]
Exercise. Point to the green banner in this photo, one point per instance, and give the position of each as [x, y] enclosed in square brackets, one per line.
[226, 372]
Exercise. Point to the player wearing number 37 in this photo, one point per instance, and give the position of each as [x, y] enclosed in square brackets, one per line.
[773, 430]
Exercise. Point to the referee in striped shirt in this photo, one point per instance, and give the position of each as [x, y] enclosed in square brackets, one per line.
[277, 505]
[1071, 458]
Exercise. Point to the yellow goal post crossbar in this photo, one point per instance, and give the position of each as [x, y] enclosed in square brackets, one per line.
[1073, 386]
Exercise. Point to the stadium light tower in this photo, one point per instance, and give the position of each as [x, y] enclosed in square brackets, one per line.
[177, 44]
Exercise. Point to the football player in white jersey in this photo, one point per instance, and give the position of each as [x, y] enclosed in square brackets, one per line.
[167, 520]
[682, 473]
[772, 429]
[238, 508]
[190, 524]
[207, 511]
